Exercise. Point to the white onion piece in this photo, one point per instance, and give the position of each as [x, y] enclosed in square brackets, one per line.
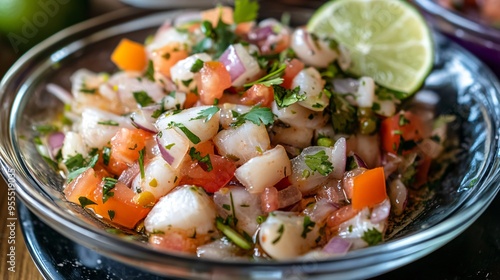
[129, 174]
[287, 243]
[299, 137]
[63, 95]
[380, 212]
[55, 141]
[236, 143]
[386, 108]
[173, 147]
[339, 156]
[337, 246]
[288, 196]
[95, 131]
[313, 52]
[201, 127]
[159, 178]
[264, 170]
[242, 66]
[181, 71]
[302, 175]
[186, 208]
[142, 118]
[311, 85]
[247, 207]
[345, 85]
[320, 210]
[398, 194]
[366, 92]
[299, 116]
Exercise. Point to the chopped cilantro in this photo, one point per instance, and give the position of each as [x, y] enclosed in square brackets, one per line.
[86, 90]
[403, 120]
[111, 214]
[286, 97]
[207, 114]
[46, 128]
[273, 78]
[308, 226]
[73, 174]
[142, 98]
[261, 219]
[74, 162]
[160, 110]
[186, 83]
[106, 154]
[85, 201]
[108, 122]
[141, 162]
[281, 229]
[197, 65]
[372, 237]
[257, 115]
[343, 114]
[204, 161]
[245, 10]
[109, 184]
[319, 162]
[150, 71]
[190, 135]
[226, 207]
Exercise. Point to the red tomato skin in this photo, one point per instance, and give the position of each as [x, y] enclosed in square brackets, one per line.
[293, 67]
[193, 173]
[258, 95]
[212, 80]
[404, 124]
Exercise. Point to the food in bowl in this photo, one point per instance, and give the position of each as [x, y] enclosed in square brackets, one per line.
[227, 138]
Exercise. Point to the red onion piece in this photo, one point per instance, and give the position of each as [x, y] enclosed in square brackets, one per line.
[398, 194]
[164, 152]
[143, 118]
[345, 86]
[233, 63]
[320, 211]
[129, 174]
[288, 196]
[337, 246]
[390, 162]
[381, 212]
[359, 161]
[339, 158]
[269, 200]
[55, 141]
[260, 33]
[60, 93]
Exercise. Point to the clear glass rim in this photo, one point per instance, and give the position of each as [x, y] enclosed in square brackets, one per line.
[37, 201]
[455, 18]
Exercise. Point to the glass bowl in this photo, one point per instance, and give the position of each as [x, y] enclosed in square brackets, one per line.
[478, 37]
[466, 89]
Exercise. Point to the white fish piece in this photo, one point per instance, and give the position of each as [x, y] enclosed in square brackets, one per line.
[299, 116]
[181, 71]
[366, 92]
[312, 51]
[193, 120]
[159, 178]
[355, 228]
[98, 127]
[186, 208]
[299, 137]
[128, 83]
[265, 170]
[310, 83]
[243, 142]
[175, 144]
[246, 207]
[303, 176]
[73, 145]
[283, 235]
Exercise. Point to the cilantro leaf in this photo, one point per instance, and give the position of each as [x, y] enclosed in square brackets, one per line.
[281, 229]
[286, 97]
[319, 162]
[141, 162]
[74, 162]
[85, 201]
[46, 128]
[108, 122]
[109, 184]
[207, 114]
[308, 226]
[142, 98]
[344, 118]
[150, 71]
[257, 115]
[106, 155]
[204, 161]
[273, 78]
[245, 10]
[197, 65]
[190, 135]
[111, 214]
[75, 173]
[372, 237]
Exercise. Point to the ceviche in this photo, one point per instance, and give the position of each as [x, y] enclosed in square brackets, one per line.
[229, 138]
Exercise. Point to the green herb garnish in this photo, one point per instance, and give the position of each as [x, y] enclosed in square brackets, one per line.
[109, 184]
[319, 162]
[197, 65]
[372, 237]
[281, 229]
[245, 10]
[257, 115]
[142, 98]
[204, 161]
[109, 122]
[85, 201]
[207, 114]
[308, 226]
[286, 97]
[190, 135]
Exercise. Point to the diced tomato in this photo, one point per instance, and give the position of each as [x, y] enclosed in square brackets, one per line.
[206, 147]
[258, 94]
[191, 99]
[192, 173]
[404, 125]
[212, 80]
[119, 208]
[173, 241]
[293, 67]
[126, 145]
[167, 56]
[368, 188]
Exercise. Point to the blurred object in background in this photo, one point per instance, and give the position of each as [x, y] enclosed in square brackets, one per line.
[25, 23]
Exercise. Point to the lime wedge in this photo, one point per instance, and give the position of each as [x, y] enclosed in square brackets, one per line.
[387, 40]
